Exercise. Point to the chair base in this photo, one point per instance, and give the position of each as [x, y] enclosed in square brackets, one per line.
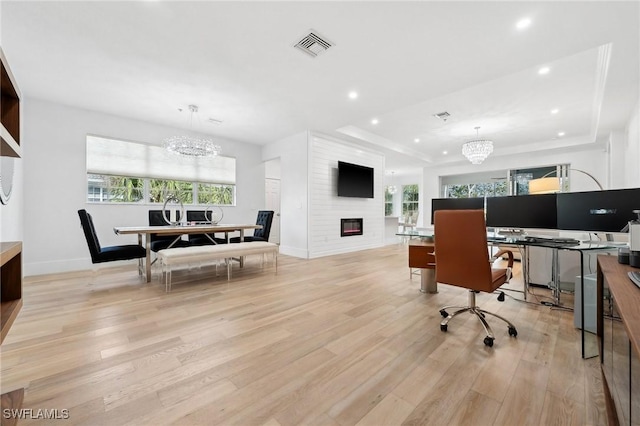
[480, 313]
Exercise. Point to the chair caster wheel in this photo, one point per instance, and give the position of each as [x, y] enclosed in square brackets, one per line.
[501, 297]
[443, 327]
[513, 332]
[444, 313]
[488, 341]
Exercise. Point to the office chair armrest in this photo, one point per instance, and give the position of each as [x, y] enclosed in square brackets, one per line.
[509, 254]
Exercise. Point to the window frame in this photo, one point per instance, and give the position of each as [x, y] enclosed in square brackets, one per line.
[108, 159]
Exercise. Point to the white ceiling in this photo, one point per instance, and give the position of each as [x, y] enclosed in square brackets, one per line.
[407, 61]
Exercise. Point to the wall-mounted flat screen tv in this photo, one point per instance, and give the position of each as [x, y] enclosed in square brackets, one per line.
[476, 203]
[522, 211]
[354, 180]
[597, 211]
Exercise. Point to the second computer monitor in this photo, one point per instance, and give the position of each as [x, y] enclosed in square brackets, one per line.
[522, 211]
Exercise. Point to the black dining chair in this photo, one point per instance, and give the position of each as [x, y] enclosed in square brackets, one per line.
[201, 239]
[160, 242]
[108, 254]
[265, 218]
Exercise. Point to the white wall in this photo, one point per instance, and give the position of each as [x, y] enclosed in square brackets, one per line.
[326, 208]
[632, 150]
[293, 155]
[55, 184]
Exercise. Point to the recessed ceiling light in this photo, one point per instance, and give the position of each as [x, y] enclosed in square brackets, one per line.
[555, 111]
[374, 121]
[353, 95]
[544, 70]
[416, 140]
[560, 134]
[523, 23]
[444, 152]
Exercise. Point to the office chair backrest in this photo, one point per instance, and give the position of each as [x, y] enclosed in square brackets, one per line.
[265, 218]
[462, 256]
[90, 234]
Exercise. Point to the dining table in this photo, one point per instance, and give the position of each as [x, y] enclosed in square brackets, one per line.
[179, 231]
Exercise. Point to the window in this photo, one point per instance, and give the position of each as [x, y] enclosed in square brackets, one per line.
[215, 194]
[410, 199]
[481, 189]
[388, 202]
[128, 172]
[496, 183]
[114, 189]
[520, 178]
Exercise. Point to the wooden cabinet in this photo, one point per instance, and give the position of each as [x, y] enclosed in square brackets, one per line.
[619, 330]
[10, 284]
[10, 251]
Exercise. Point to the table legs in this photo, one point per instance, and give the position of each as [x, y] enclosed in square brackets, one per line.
[147, 242]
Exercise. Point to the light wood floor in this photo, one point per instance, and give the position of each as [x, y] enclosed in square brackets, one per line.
[340, 340]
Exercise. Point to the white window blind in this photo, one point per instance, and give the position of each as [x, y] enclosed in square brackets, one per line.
[122, 158]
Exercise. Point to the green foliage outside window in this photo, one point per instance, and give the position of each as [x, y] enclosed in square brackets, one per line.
[160, 188]
[215, 194]
[410, 199]
[115, 189]
[123, 189]
[388, 202]
[486, 189]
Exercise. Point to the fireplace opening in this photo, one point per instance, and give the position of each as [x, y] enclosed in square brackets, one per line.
[349, 227]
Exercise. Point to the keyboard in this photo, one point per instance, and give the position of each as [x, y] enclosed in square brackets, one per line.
[552, 240]
[635, 277]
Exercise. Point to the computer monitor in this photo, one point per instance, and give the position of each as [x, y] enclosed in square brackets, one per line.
[522, 211]
[597, 211]
[476, 203]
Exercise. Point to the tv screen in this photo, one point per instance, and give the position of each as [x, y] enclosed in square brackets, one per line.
[522, 211]
[354, 180]
[597, 211]
[456, 204]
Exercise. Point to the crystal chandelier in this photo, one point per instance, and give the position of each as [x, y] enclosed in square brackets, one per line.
[191, 146]
[478, 149]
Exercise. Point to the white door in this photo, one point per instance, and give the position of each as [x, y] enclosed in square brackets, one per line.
[272, 201]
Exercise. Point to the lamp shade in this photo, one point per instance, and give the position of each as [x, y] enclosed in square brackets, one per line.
[545, 185]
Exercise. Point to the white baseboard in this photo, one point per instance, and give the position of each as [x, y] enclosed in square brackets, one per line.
[70, 265]
[344, 250]
[294, 251]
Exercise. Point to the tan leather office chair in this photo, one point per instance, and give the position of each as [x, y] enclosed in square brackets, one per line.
[462, 259]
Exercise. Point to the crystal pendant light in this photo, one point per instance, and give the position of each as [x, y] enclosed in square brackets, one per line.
[392, 189]
[477, 150]
[192, 146]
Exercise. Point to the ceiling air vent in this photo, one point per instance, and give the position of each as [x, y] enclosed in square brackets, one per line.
[442, 115]
[313, 44]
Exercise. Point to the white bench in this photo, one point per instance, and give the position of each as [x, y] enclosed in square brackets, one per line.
[181, 256]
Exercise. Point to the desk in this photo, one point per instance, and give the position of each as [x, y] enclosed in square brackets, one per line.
[588, 340]
[176, 230]
[421, 256]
